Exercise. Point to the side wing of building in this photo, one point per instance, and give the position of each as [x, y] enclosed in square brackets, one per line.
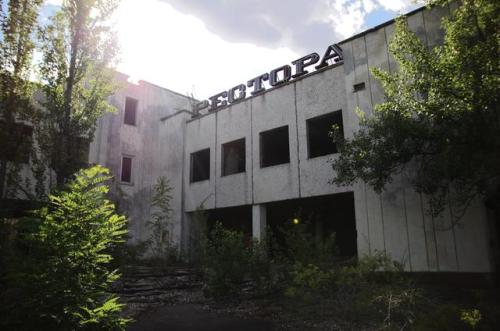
[133, 144]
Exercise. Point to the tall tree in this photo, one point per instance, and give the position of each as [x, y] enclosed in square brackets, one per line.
[440, 122]
[18, 20]
[79, 49]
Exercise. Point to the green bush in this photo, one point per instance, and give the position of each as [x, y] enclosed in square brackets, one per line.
[63, 280]
[299, 245]
[160, 243]
[309, 281]
[227, 262]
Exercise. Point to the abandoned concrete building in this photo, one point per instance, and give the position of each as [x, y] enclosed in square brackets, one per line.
[261, 160]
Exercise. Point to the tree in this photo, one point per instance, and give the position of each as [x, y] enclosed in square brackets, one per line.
[79, 49]
[440, 122]
[17, 25]
[65, 283]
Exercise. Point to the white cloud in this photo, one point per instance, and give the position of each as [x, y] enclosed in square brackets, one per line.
[395, 5]
[347, 17]
[176, 51]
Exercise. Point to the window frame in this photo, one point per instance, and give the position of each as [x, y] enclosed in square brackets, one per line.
[135, 111]
[131, 157]
[223, 160]
[262, 149]
[191, 166]
[319, 117]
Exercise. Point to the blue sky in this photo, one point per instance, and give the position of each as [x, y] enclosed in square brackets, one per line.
[201, 47]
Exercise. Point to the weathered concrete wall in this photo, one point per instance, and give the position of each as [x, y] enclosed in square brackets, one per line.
[155, 146]
[395, 221]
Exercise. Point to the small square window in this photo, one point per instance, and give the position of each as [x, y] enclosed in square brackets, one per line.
[130, 111]
[358, 87]
[274, 147]
[233, 157]
[200, 166]
[318, 134]
[126, 175]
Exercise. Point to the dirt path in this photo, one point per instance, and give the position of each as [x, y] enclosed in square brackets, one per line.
[191, 317]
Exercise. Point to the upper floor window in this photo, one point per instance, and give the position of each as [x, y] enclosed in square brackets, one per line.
[319, 139]
[130, 111]
[274, 147]
[233, 157]
[200, 165]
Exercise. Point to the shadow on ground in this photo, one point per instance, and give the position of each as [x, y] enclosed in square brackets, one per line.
[190, 317]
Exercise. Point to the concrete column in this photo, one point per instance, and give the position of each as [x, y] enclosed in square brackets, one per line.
[258, 221]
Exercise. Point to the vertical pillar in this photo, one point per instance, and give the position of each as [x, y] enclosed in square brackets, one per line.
[258, 221]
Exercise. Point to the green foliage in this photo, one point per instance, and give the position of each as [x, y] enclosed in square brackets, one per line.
[198, 237]
[160, 241]
[300, 245]
[471, 317]
[227, 262]
[64, 284]
[79, 49]
[16, 49]
[309, 281]
[440, 122]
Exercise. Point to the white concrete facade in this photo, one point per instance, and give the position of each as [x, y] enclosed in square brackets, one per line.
[166, 135]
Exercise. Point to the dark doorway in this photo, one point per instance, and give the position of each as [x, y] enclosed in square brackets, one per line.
[323, 215]
[233, 218]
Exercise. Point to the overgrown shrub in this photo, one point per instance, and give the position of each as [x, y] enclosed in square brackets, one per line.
[62, 281]
[198, 237]
[227, 262]
[160, 241]
[299, 245]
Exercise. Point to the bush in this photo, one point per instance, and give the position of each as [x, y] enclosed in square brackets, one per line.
[227, 262]
[63, 282]
[160, 242]
[299, 245]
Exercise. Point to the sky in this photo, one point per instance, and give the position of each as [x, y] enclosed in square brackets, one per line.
[202, 47]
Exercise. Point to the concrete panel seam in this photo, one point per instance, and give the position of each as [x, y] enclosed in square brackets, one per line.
[407, 231]
[215, 159]
[368, 70]
[251, 148]
[454, 235]
[367, 220]
[425, 231]
[297, 136]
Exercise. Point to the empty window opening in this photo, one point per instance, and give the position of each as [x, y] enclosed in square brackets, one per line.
[233, 157]
[15, 142]
[320, 141]
[358, 87]
[321, 219]
[126, 175]
[130, 111]
[274, 147]
[200, 165]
